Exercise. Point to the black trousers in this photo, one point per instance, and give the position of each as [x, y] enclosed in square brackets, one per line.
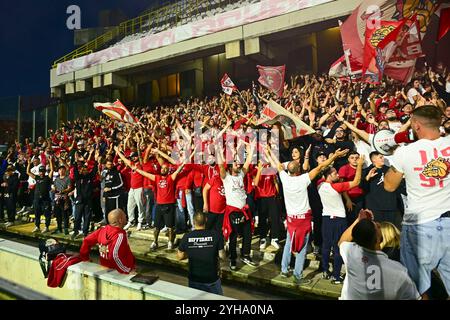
[62, 215]
[82, 211]
[251, 203]
[332, 230]
[241, 227]
[268, 210]
[114, 203]
[11, 202]
[149, 202]
[198, 199]
[2, 207]
[214, 221]
[23, 198]
[359, 204]
[42, 207]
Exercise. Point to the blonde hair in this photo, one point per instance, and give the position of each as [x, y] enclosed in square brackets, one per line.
[391, 235]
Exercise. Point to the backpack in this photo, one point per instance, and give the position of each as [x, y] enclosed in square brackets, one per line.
[49, 249]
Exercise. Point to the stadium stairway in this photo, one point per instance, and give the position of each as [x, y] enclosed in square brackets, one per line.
[266, 276]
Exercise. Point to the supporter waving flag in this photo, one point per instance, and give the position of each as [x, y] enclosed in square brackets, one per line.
[116, 111]
[228, 85]
[292, 126]
[272, 78]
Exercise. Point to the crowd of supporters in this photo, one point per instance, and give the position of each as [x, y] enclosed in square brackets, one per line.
[180, 159]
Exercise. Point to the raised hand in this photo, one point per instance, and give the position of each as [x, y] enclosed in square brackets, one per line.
[372, 173]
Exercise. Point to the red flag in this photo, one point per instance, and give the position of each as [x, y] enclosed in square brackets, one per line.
[366, 14]
[292, 125]
[444, 21]
[116, 111]
[272, 78]
[227, 85]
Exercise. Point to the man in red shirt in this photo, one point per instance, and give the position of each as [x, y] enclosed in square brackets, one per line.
[354, 198]
[214, 203]
[165, 201]
[115, 252]
[266, 189]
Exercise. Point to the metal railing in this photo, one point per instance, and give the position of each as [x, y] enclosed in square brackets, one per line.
[158, 19]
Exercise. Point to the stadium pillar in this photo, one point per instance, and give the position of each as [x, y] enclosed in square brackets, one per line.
[314, 53]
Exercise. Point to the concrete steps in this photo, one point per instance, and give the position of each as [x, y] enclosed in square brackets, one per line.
[265, 276]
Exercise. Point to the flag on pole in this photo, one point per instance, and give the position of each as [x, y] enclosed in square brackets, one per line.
[116, 111]
[227, 85]
[291, 125]
[374, 60]
[272, 78]
[256, 100]
[369, 15]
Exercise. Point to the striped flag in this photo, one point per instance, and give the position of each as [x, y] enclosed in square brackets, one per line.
[292, 125]
[227, 85]
[116, 111]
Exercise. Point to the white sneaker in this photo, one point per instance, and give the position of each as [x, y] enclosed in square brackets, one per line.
[169, 245]
[274, 243]
[153, 246]
[263, 244]
[127, 226]
[45, 230]
[22, 210]
[256, 221]
[9, 224]
[36, 229]
[164, 229]
[139, 227]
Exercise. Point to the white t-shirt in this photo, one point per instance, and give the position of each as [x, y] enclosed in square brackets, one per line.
[411, 94]
[35, 171]
[363, 148]
[395, 126]
[331, 198]
[371, 275]
[295, 190]
[425, 165]
[234, 190]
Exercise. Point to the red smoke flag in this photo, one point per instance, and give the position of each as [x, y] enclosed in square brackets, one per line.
[444, 20]
[272, 78]
[227, 85]
[116, 111]
[291, 125]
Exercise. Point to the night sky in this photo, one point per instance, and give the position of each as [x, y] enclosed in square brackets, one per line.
[33, 34]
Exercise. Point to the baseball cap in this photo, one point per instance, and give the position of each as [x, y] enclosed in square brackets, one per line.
[80, 143]
[321, 153]
[134, 154]
[42, 169]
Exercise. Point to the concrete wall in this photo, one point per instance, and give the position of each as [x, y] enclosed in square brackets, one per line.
[261, 28]
[86, 281]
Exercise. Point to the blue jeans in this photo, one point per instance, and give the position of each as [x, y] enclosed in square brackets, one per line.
[214, 287]
[299, 258]
[424, 247]
[180, 219]
[190, 207]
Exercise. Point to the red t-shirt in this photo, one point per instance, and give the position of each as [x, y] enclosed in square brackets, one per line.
[137, 180]
[216, 200]
[347, 172]
[126, 176]
[165, 189]
[266, 186]
[150, 167]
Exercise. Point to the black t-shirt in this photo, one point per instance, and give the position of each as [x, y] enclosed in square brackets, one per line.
[43, 187]
[202, 248]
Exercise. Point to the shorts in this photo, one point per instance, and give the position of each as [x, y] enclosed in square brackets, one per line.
[424, 247]
[165, 215]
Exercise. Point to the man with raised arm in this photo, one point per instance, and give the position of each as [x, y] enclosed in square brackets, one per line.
[299, 215]
[238, 218]
[425, 166]
[165, 200]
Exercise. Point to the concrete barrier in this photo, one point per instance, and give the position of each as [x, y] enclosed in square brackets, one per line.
[86, 281]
